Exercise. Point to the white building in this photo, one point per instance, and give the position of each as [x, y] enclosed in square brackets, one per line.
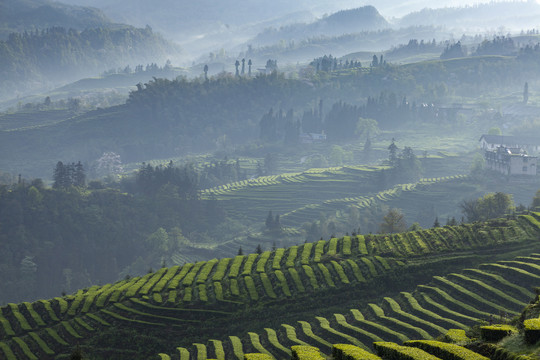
[492, 142]
[511, 161]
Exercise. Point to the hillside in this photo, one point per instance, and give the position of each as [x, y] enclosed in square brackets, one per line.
[37, 60]
[225, 308]
[192, 118]
[512, 15]
[17, 16]
[344, 22]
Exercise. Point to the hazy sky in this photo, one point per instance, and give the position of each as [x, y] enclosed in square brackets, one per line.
[389, 8]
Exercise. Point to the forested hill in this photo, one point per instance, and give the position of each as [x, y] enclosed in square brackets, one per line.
[26, 15]
[57, 54]
[365, 18]
[171, 118]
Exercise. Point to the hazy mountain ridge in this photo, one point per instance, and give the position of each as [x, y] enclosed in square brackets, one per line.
[495, 16]
[34, 61]
[26, 15]
[343, 22]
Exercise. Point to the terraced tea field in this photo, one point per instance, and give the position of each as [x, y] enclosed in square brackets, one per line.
[282, 193]
[456, 301]
[184, 299]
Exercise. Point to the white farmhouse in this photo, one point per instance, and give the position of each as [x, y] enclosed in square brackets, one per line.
[511, 161]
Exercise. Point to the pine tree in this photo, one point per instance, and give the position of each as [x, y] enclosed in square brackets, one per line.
[79, 176]
[259, 250]
[59, 176]
[392, 153]
[436, 223]
[269, 221]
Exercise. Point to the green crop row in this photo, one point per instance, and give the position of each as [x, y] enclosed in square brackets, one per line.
[252, 290]
[495, 333]
[20, 318]
[205, 271]
[47, 305]
[236, 265]
[325, 325]
[6, 325]
[393, 351]
[456, 336]
[415, 306]
[37, 319]
[445, 350]
[311, 276]
[8, 353]
[221, 269]
[319, 251]
[291, 257]
[190, 277]
[326, 274]
[55, 336]
[346, 246]
[134, 288]
[296, 279]
[175, 282]
[351, 352]
[263, 259]
[274, 341]
[70, 330]
[145, 289]
[302, 352]
[283, 282]
[83, 324]
[100, 302]
[248, 266]
[25, 349]
[188, 294]
[276, 261]
[306, 253]
[169, 274]
[91, 295]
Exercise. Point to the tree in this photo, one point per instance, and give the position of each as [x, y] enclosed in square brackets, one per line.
[269, 220]
[79, 179]
[526, 93]
[415, 227]
[206, 72]
[392, 153]
[240, 251]
[495, 131]
[236, 65]
[454, 51]
[243, 66]
[436, 223]
[249, 67]
[490, 206]
[375, 61]
[393, 222]
[259, 250]
[408, 166]
[59, 176]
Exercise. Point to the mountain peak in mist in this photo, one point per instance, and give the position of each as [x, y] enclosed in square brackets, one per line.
[362, 18]
[24, 15]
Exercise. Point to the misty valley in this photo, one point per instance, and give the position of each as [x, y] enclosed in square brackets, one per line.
[256, 181]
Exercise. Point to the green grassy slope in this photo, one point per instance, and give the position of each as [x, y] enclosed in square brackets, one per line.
[236, 300]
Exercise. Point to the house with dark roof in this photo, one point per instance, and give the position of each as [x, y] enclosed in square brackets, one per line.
[492, 142]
